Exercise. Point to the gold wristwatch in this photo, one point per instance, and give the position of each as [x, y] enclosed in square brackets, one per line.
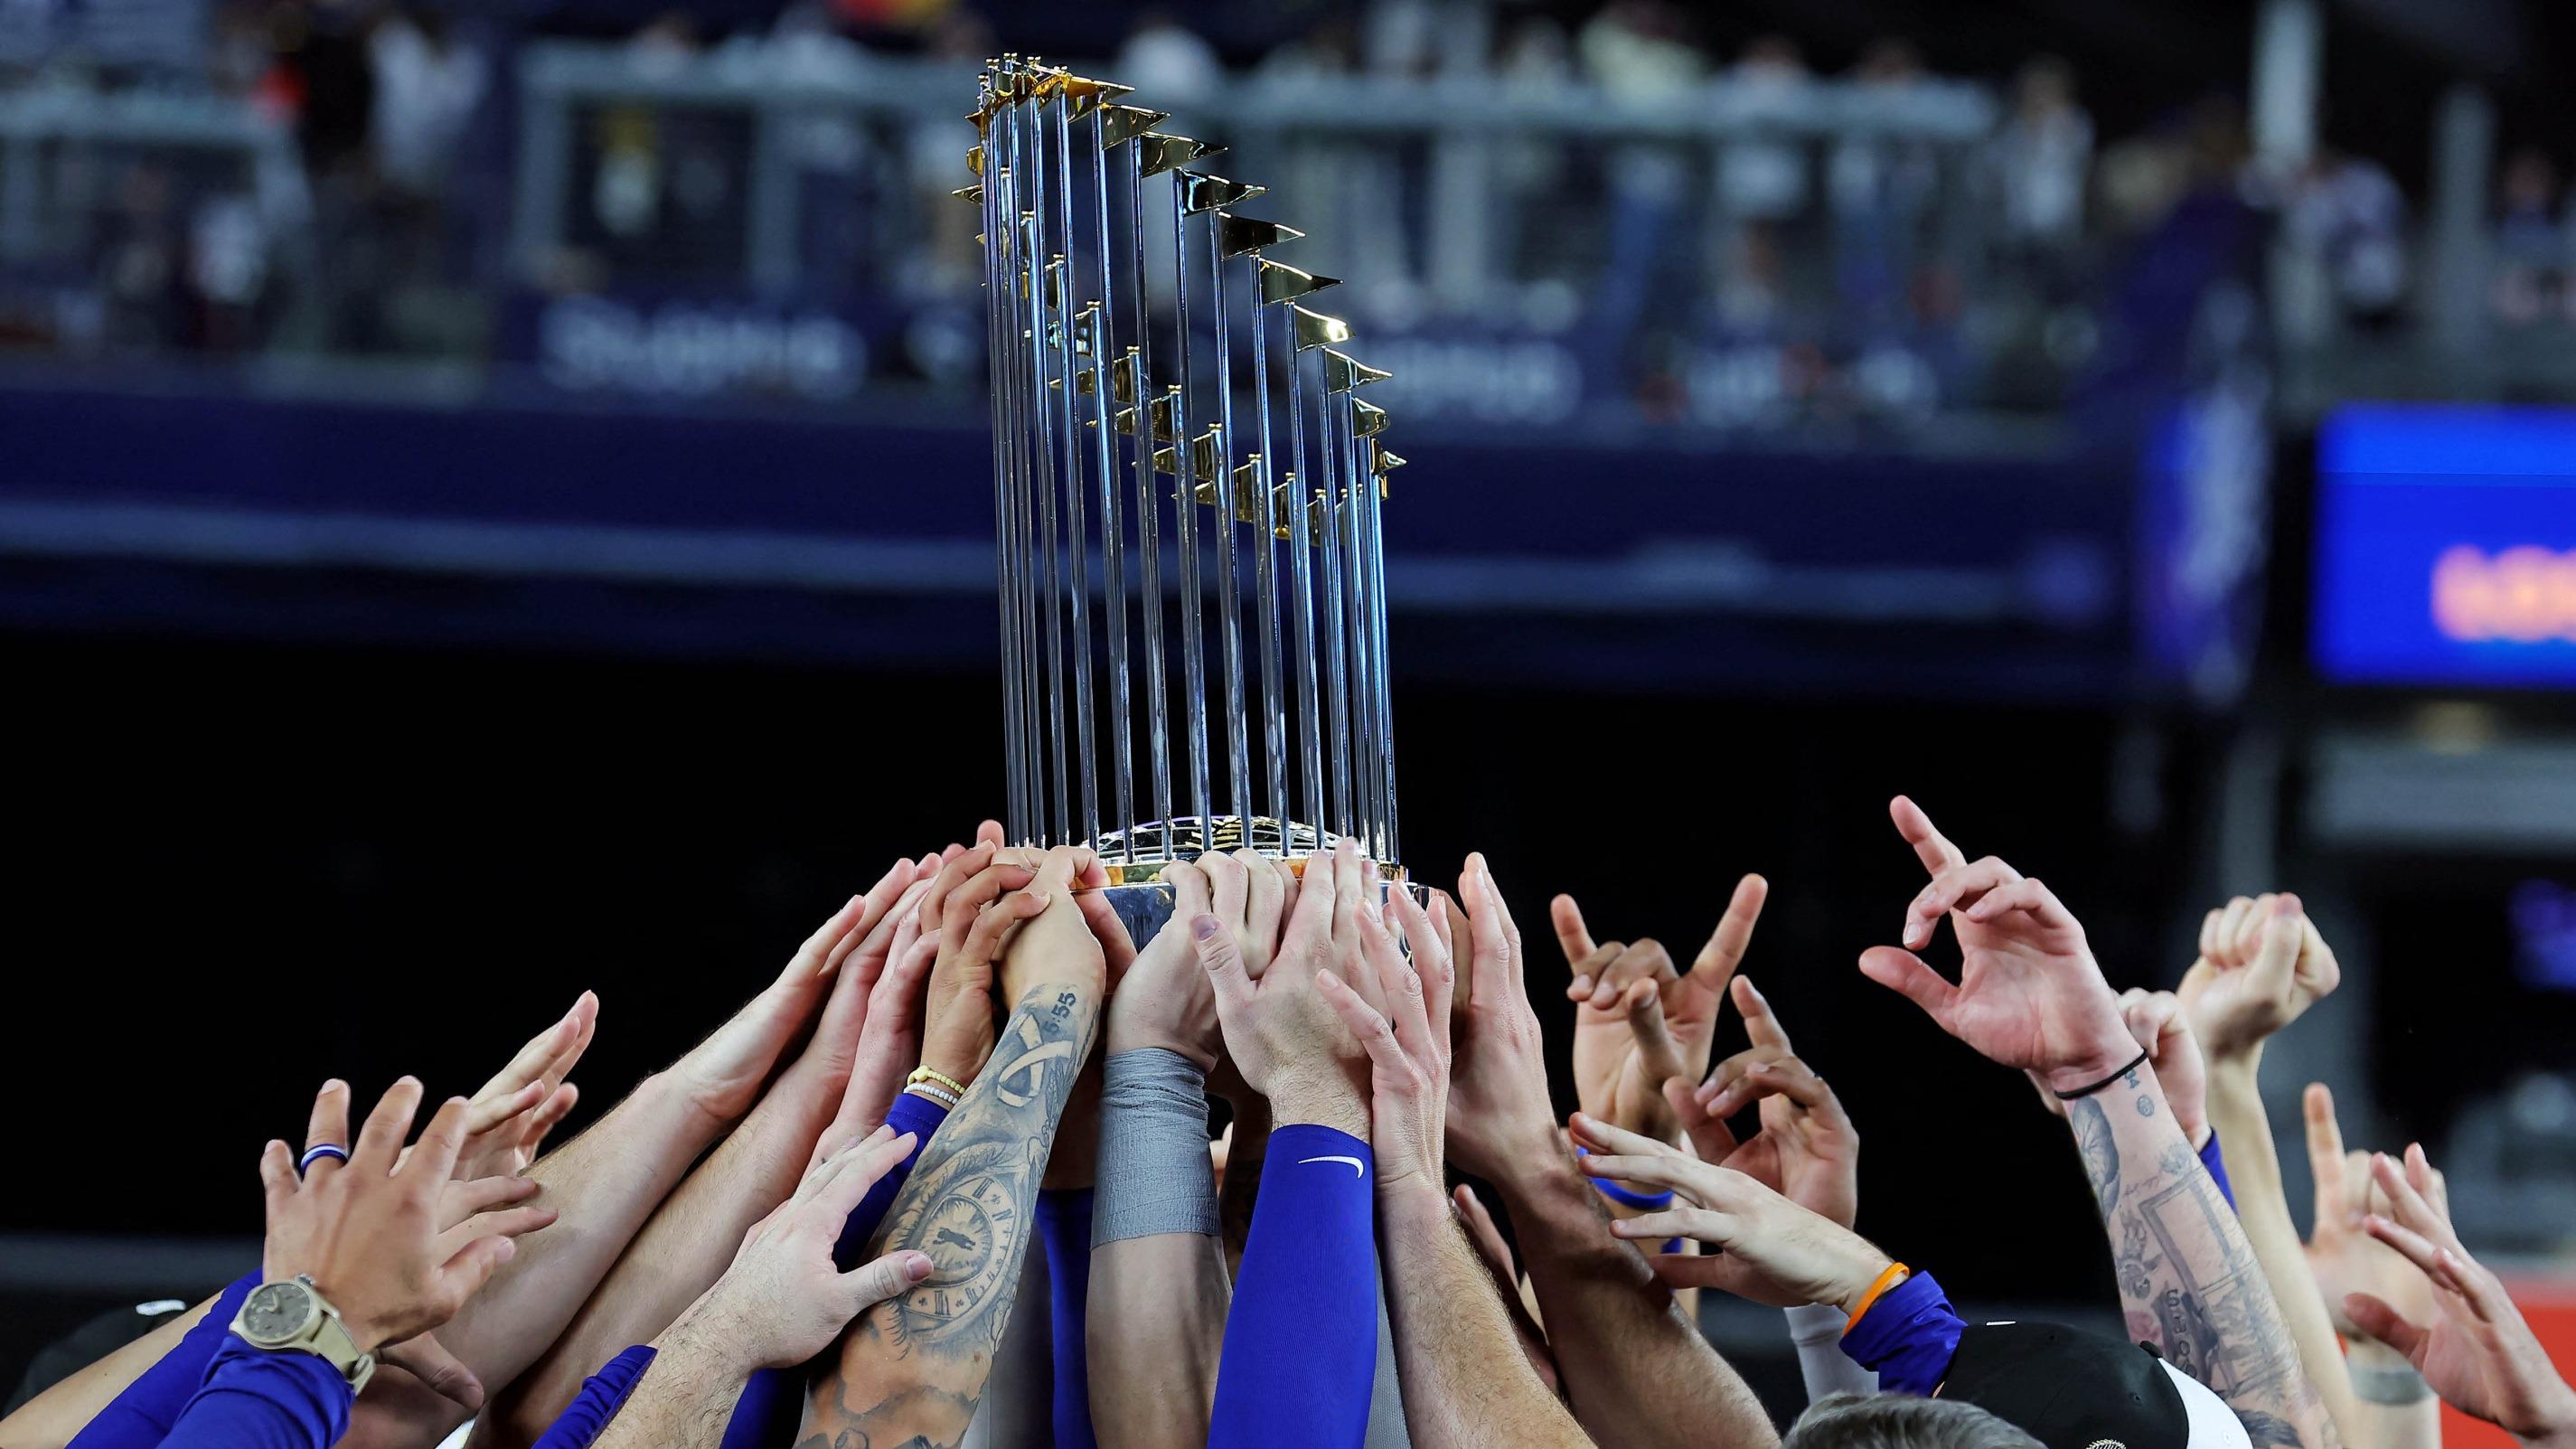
[292, 1316]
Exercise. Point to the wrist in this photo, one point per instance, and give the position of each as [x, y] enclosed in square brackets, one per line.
[1309, 1099]
[2104, 1061]
[1862, 1281]
[706, 1338]
[1126, 1034]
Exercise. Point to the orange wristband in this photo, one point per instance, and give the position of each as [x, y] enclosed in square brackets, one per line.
[1896, 1273]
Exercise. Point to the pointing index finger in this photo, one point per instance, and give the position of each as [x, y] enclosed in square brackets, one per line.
[1572, 936]
[1726, 945]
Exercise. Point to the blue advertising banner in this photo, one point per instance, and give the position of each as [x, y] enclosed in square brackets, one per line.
[2446, 547]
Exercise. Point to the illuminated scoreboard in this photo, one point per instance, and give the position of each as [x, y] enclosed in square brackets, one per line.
[2446, 547]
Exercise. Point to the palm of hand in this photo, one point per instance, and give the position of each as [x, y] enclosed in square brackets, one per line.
[1615, 1080]
[1802, 1160]
[2025, 994]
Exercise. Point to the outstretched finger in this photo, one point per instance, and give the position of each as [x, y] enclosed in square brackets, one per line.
[1489, 926]
[1601, 1136]
[327, 1127]
[1656, 1051]
[1761, 1024]
[2407, 1204]
[1675, 1222]
[463, 1200]
[1718, 959]
[276, 1176]
[380, 1140]
[1399, 987]
[433, 1158]
[1904, 973]
[2325, 1150]
[1709, 1135]
[994, 928]
[861, 1167]
[1930, 846]
[1572, 936]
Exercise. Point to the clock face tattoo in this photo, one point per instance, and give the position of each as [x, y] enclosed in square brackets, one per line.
[968, 1232]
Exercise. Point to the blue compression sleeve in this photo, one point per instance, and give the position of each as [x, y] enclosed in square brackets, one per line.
[141, 1416]
[1909, 1335]
[601, 1396]
[1064, 1226]
[2217, 1166]
[254, 1399]
[773, 1403]
[1301, 1341]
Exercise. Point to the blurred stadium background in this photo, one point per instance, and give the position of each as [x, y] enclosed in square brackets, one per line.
[493, 500]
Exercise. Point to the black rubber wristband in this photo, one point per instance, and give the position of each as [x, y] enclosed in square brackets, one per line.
[2135, 1062]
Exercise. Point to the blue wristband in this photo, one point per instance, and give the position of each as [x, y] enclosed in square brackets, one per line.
[1619, 1194]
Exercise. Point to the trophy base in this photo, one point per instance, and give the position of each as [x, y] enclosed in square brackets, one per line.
[1136, 858]
[1140, 852]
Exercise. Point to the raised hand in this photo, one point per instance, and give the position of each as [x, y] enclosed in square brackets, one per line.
[784, 1300]
[1165, 1000]
[723, 1075]
[507, 1123]
[1499, 1112]
[1057, 944]
[1806, 1148]
[1407, 1043]
[968, 906]
[1636, 1021]
[2261, 965]
[2160, 1024]
[2474, 1349]
[1770, 1249]
[2346, 1259]
[1280, 1031]
[370, 1231]
[2029, 994]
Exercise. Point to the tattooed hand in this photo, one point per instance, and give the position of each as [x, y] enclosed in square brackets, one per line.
[2476, 1351]
[1057, 945]
[2262, 964]
[2029, 994]
[1637, 1022]
[783, 1300]
[1807, 1147]
[1770, 1249]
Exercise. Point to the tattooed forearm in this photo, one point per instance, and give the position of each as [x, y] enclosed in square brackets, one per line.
[2188, 1280]
[913, 1368]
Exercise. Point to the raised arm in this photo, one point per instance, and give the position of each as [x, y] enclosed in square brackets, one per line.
[2393, 1407]
[2474, 1348]
[1158, 1290]
[1465, 1383]
[1635, 1367]
[2029, 996]
[912, 1370]
[781, 1301]
[2261, 965]
[693, 1234]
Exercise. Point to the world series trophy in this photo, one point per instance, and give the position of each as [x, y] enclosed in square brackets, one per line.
[1129, 497]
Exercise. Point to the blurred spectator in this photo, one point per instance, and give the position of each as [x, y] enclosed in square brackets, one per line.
[1882, 184]
[2531, 241]
[1640, 54]
[2350, 218]
[1762, 183]
[427, 87]
[2041, 160]
[1169, 61]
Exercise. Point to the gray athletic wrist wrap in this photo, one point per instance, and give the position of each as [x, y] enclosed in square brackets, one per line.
[1153, 1174]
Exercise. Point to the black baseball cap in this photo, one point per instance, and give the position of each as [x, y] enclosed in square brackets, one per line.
[2074, 1390]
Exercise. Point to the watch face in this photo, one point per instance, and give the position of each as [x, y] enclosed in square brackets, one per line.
[275, 1312]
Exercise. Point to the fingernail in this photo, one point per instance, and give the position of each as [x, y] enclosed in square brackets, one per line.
[1582, 985]
[2285, 904]
[1203, 927]
[916, 1266]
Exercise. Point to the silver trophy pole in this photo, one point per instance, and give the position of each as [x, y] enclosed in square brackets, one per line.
[1185, 533]
[1077, 531]
[1229, 585]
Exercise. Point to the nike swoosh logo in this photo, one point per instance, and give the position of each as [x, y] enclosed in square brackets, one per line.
[1356, 1169]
